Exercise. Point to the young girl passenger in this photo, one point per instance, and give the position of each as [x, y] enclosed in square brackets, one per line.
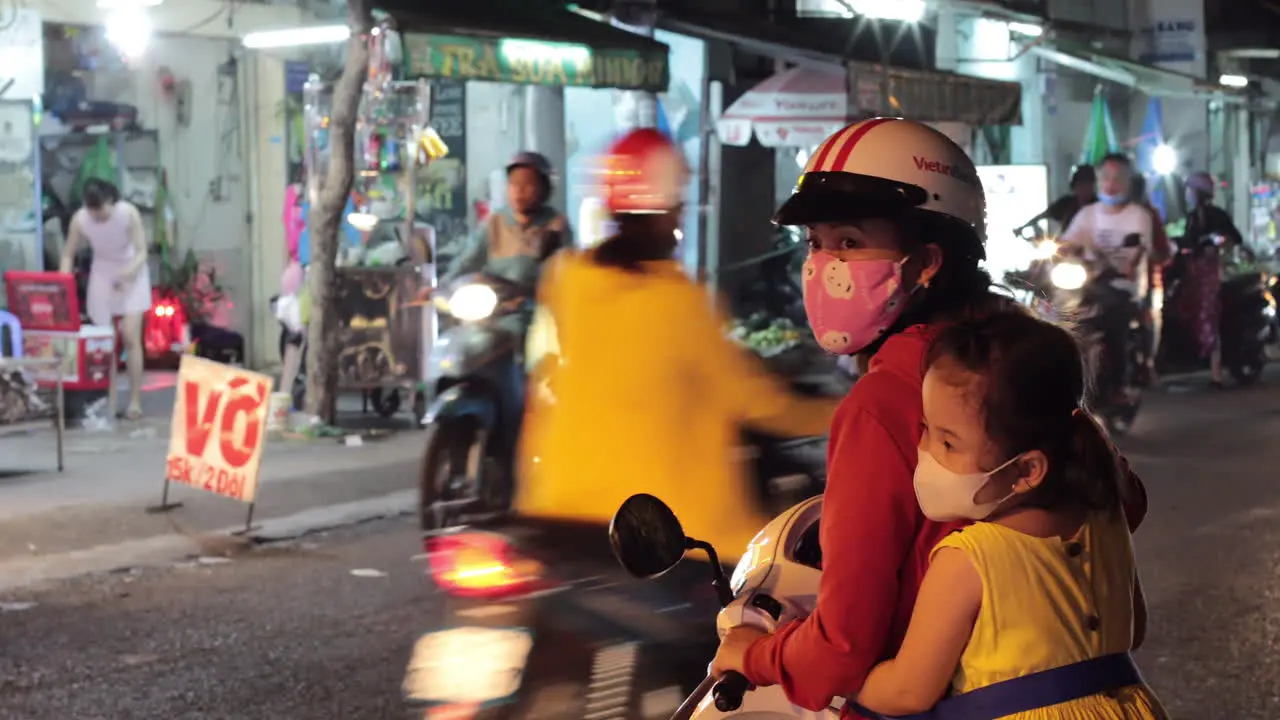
[1031, 612]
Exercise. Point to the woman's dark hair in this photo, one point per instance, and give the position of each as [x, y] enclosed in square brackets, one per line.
[98, 192]
[638, 240]
[961, 289]
[1033, 385]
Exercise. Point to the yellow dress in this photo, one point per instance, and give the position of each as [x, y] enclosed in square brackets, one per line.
[1048, 603]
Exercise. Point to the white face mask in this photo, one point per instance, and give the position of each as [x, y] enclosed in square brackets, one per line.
[944, 495]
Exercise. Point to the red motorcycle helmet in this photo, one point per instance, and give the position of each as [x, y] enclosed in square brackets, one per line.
[643, 172]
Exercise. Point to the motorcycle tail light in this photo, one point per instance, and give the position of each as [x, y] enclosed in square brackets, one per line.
[481, 565]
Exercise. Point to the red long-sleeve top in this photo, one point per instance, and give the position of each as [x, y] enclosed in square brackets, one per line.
[875, 541]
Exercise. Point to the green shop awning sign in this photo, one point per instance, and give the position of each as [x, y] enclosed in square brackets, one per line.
[533, 62]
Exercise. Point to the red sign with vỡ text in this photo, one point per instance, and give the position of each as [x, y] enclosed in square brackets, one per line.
[219, 428]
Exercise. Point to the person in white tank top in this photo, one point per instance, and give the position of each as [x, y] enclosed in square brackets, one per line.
[119, 279]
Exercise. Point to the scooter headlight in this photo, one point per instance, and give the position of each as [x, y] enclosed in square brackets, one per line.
[473, 302]
[1068, 276]
[1045, 249]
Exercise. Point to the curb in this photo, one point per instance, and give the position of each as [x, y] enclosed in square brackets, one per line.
[162, 550]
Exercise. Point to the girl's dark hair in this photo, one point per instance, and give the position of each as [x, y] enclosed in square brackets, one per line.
[98, 192]
[1033, 383]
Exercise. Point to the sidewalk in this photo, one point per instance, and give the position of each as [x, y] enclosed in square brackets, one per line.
[111, 477]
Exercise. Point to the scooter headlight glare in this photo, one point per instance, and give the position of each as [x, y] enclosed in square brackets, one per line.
[473, 302]
[1045, 249]
[1068, 276]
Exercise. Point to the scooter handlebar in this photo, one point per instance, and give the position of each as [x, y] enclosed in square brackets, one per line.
[728, 693]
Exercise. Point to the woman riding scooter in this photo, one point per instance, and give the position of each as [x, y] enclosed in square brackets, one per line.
[895, 214]
[646, 393]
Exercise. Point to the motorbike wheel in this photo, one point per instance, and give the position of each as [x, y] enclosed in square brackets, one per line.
[456, 452]
[1247, 371]
[385, 403]
[443, 474]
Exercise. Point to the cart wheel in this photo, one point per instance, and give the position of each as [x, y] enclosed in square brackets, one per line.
[419, 408]
[385, 403]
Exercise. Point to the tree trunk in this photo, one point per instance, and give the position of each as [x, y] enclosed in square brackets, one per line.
[326, 220]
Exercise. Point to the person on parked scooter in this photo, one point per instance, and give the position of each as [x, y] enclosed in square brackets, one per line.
[896, 224]
[1202, 305]
[1084, 185]
[514, 241]
[646, 392]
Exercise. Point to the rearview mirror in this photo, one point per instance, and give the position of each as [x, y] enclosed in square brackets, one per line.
[646, 536]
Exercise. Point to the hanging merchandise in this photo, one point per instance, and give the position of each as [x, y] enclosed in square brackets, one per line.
[373, 151]
[430, 145]
[380, 68]
[390, 154]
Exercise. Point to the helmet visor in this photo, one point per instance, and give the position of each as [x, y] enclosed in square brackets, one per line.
[837, 196]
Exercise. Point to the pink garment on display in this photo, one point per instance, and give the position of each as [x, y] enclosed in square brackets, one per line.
[108, 296]
[291, 280]
[294, 223]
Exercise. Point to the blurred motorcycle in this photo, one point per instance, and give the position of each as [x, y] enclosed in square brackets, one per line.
[1099, 300]
[476, 385]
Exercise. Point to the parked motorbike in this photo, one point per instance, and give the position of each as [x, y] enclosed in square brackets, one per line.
[476, 385]
[1099, 300]
[775, 582]
[1246, 325]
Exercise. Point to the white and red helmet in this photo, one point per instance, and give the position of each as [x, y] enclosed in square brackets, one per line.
[888, 166]
[643, 172]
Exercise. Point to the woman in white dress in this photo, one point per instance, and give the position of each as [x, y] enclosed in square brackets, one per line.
[119, 279]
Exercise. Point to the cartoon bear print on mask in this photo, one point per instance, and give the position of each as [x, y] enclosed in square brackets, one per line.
[837, 280]
[834, 341]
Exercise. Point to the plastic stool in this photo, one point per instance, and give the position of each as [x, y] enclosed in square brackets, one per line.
[9, 322]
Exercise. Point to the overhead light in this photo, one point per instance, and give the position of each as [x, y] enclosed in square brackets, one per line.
[911, 11]
[1254, 53]
[1164, 159]
[296, 37]
[1235, 81]
[127, 4]
[128, 29]
[1027, 29]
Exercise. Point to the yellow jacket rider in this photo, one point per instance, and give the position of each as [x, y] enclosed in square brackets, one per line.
[646, 392]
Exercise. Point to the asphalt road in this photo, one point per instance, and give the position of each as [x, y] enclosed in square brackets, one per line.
[291, 632]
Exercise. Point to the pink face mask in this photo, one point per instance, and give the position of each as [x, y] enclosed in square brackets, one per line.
[851, 303]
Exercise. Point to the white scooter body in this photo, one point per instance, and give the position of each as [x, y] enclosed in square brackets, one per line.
[769, 569]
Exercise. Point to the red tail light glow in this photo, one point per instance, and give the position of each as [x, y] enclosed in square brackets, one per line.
[480, 565]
